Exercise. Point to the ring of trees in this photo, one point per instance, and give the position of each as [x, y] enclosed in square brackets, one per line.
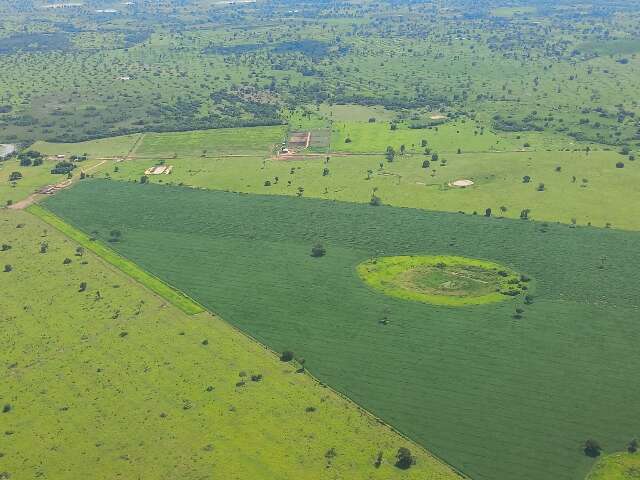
[443, 280]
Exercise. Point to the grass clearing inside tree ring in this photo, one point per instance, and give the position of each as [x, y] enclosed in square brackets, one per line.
[442, 280]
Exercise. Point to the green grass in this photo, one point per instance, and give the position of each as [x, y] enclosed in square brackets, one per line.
[498, 397]
[446, 138]
[32, 179]
[439, 280]
[224, 141]
[600, 195]
[617, 466]
[115, 382]
[355, 113]
[175, 297]
[105, 147]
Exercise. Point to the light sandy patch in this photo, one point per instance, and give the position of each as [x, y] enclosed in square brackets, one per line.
[462, 183]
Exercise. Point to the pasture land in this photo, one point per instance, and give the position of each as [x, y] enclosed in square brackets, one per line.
[617, 466]
[105, 147]
[356, 113]
[32, 178]
[466, 135]
[580, 186]
[115, 382]
[223, 141]
[499, 397]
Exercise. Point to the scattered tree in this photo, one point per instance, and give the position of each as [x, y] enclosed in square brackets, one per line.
[592, 448]
[286, 356]
[404, 458]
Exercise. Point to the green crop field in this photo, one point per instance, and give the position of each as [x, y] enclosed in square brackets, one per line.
[114, 382]
[498, 396]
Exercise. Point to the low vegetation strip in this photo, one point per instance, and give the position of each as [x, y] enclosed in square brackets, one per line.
[466, 383]
[153, 283]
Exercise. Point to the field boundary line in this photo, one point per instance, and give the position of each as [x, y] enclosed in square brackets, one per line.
[174, 296]
[186, 304]
[349, 400]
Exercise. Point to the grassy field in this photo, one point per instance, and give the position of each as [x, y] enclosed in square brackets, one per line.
[176, 298]
[105, 147]
[441, 280]
[618, 466]
[32, 179]
[599, 194]
[115, 382]
[225, 141]
[468, 136]
[497, 396]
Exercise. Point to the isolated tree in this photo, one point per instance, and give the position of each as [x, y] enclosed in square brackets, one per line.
[540, 187]
[318, 250]
[144, 179]
[592, 448]
[325, 172]
[632, 446]
[286, 356]
[524, 214]
[83, 286]
[435, 157]
[375, 201]
[620, 165]
[487, 212]
[390, 154]
[402, 149]
[378, 461]
[526, 179]
[426, 164]
[423, 143]
[503, 209]
[404, 458]
[8, 268]
[44, 246]
[369, 173]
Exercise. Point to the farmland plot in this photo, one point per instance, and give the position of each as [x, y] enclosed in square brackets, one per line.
[499, 394]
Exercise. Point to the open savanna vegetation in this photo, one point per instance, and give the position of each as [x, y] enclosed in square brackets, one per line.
[103, 379]
[464, 382]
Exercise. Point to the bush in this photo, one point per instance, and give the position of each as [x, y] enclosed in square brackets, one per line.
[318, 250]
[83, 286]
[404, 459]
[592, 448]
[620, 165]
[286, 356]
[632, 447]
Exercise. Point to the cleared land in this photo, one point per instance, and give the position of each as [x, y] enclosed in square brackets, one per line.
[587, 187]
[466, 382]
[223, 141]
[114, 382]
[442, 280]
[619, 466]
[32, 178]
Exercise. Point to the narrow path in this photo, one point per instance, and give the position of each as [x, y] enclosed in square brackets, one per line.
[35, 197]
